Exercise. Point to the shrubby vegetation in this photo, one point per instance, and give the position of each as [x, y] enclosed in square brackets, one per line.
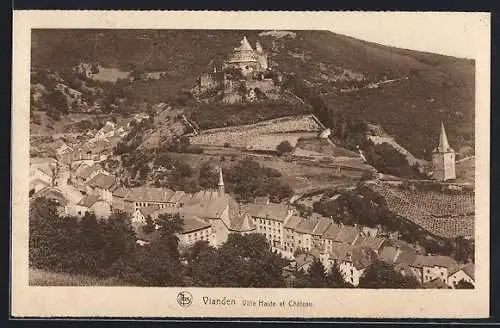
[382, 275]
[108, 248]
[250, 180]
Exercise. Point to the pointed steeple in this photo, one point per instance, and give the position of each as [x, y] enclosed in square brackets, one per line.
[245, 45]
[220, 184]
[444, 146]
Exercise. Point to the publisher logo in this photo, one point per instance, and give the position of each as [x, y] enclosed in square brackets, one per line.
[184, 299]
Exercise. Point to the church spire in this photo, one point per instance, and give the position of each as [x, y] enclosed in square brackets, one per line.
[444, 146]
[220, 184]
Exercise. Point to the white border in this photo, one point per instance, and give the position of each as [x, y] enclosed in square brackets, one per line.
[161, 302]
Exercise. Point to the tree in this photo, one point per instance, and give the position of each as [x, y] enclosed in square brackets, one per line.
[317, 275]
[208, 176]
[161, 264]
[56, 101]
[284, 148]
[247, 261]
[382, 275]
[91, 245]
[204, 267]
[120, 239]
[335, 278]
[43, 233]
[463, 284]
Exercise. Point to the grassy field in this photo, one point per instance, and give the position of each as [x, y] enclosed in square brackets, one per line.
[38, 277]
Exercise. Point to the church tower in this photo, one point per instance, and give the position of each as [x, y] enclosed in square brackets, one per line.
[220, 184]
[443, 159]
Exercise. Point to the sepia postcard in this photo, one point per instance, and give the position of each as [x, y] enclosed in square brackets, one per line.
[170, 164]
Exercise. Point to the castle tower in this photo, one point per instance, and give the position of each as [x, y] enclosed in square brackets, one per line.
[220, 184]
[443, 159]
[261, 56]
[258, 47]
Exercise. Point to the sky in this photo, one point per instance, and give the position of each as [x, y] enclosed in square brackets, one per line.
[453, 34]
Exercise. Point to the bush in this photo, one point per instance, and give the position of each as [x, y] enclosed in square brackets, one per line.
[227, 145]
[284, 148]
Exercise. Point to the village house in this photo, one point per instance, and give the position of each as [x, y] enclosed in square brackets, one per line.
[85, 173]
[289, 240]
[92, 204]
[194, 229]
[36, 185]
[103, 186]
[142, 213]
[43, 168]
[303, 234]
[42, 174]
[119, 196]
[353, 262]
[465, 273]
[62, 148]
[139, 197]
[426, 267]
[270, 220]
[374, 243]
[53, 193]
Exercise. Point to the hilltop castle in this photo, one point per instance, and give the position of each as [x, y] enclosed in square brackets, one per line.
[443, 159]
[244, 76]
[246, 59]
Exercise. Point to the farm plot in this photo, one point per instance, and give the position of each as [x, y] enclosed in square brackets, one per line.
[261, 135]
[441, 214]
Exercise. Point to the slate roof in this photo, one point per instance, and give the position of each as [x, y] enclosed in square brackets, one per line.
[84, 171]
[322, 226]
[37, 181]
[207, 209]
[434, 260]
[271, 211]
[42, 160]
[149, 194]
[362, 257]
[347, 234]
[468, 269]
[193, 223]
[293, 222]
[52, 193]
[332, 231]
[103, 181]
[307, 225]
[372, 242]
[176, 197]
[88, 201]
[121, 192]
[242, 223]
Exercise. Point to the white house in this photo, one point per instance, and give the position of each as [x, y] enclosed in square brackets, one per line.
[427, 268]
[465, 273]
[352, 261]
[92, 204]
